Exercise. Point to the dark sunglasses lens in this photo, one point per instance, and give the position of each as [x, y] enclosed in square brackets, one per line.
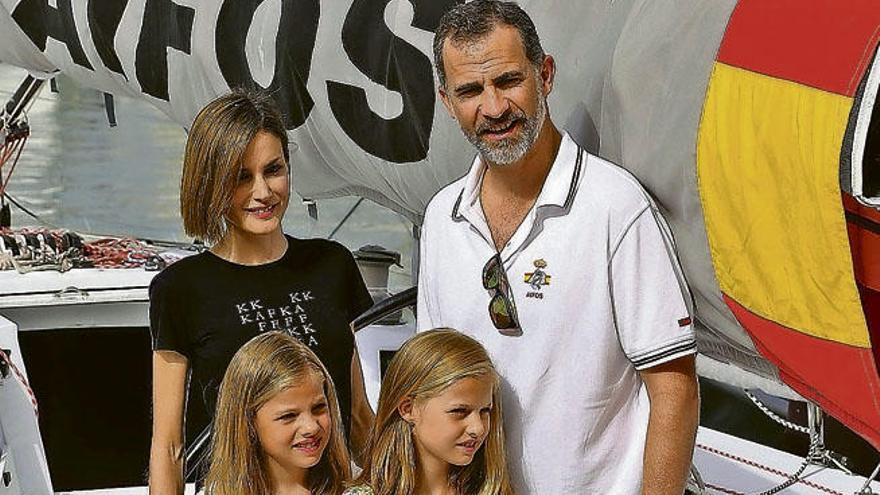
[500, 312]
[492, 274]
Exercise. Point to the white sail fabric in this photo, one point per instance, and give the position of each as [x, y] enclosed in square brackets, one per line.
[355, 81]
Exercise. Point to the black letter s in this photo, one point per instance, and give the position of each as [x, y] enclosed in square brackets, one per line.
[396, 65]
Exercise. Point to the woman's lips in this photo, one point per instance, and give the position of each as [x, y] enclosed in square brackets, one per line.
[262, 212]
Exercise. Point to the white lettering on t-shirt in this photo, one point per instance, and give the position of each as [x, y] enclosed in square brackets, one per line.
[292, 318]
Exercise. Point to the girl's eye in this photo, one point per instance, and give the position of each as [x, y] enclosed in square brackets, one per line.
[460, 412]
[486, 410]
[244, 177]
[319, 408]
[288, 416]
[274, 169]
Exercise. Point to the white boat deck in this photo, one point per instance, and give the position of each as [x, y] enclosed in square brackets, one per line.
[731, 465]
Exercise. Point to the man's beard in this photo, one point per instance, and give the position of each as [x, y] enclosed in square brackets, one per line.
[514, 148]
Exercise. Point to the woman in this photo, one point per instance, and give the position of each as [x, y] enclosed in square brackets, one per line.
[277, 394]
[234, 191]
[438, 427]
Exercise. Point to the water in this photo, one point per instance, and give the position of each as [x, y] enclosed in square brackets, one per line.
[79, 173]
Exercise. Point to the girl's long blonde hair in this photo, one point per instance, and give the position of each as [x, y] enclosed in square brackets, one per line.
[424, 367]
[268, 364]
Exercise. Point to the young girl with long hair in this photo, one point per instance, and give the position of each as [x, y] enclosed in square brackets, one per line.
[438, 426]
[277, 429]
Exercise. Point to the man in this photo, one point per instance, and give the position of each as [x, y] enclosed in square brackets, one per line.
[587, 321]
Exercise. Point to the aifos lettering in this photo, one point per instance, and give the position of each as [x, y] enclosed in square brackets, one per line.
[369, 44]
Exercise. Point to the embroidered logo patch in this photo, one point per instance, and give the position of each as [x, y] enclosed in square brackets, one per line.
[537, 279]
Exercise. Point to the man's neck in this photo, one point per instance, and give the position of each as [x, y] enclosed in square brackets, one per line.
[523, 179]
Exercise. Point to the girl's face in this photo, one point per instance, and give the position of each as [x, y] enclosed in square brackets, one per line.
[262, 189]
[293, 427]
[452, 426]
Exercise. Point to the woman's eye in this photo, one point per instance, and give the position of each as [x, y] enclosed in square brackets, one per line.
[288, 417]
[244, 177]
[459, 412]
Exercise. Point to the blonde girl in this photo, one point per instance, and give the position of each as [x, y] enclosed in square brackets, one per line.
[277, 428]
[438, 427]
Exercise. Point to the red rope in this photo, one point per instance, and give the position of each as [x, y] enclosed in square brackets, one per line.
[763, 468]
[13, 145]
[118, 253]
[22, 379]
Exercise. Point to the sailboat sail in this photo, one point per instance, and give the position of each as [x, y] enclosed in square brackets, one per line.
[740, 117]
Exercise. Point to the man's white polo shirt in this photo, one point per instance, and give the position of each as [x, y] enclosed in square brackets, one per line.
[599, 295]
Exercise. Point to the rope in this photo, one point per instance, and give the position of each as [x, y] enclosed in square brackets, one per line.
[13, 145]
[28, 212]
[791, 479]
[775, 417]
[122, 253]
[20, 376]
[866, 488]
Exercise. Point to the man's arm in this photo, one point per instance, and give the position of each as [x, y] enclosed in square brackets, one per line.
[673, 391]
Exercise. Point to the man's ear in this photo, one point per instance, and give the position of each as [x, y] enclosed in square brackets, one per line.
[406, 410]
[548, 74]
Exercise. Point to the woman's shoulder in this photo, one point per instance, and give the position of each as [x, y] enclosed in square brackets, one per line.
[181, 271]
[317, 243]
[318, 247]
[359, 490]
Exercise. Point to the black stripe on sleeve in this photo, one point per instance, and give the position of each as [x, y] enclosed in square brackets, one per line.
[664, 353]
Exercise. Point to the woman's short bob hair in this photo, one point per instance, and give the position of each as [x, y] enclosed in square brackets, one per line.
[424, 367]
[215, 150]
[267, 365]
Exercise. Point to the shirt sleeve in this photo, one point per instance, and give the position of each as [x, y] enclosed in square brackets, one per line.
[166, 320]
[426, 317]
[652, 304]
[359, 297]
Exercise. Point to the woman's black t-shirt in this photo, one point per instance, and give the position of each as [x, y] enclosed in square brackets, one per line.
[206, 308]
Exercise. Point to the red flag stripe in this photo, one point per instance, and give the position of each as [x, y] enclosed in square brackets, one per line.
[827, 44]
[842, 379]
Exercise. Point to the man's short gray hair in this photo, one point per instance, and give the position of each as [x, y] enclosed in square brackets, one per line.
[470, 22]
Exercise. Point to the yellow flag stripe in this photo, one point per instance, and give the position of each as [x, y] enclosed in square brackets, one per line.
[768, 156]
